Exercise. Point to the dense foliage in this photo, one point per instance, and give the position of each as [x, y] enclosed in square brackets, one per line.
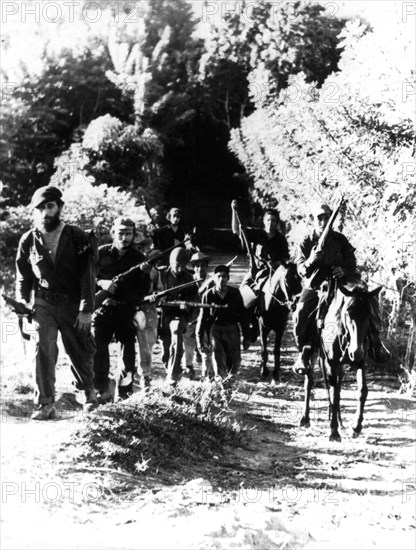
[353, 136]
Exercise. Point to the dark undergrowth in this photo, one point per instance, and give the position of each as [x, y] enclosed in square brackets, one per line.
[163, 434]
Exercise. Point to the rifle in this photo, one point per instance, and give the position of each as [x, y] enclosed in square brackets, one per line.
[230, 263]
[183, 303]
[102, 294]
[162, 293]
[19, 309]
[250, 253]
[323, 238]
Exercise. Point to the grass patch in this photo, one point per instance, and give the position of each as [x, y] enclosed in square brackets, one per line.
[162, 433]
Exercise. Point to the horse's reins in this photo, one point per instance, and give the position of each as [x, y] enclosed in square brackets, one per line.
[289, 303]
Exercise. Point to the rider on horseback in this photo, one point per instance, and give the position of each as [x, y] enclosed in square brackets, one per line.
[336, 262]
[267, 249]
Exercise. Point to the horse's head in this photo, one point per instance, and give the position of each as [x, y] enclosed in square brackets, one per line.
[355, 318]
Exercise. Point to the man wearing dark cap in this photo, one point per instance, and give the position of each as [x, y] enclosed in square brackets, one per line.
[115, 316]
[335, 262]
[174, 320]
[55, 262]
[222, 325]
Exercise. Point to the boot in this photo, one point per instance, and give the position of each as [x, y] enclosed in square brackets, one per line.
[108, 396]
[191, 372]
[145, 383]
[91, 401]
[44, 412]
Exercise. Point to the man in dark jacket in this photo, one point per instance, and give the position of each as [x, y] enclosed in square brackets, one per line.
[335, 262]
[115, 316]
[270, 249]
[55, 262]
[173, 233]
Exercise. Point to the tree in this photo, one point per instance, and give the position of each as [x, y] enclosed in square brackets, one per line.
[351, 136]
[43, 113]
[281, 38]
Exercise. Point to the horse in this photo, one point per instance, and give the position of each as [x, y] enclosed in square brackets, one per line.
[272, 311]
[343, 340]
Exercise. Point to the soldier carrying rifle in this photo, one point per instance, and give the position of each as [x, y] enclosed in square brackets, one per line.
[326, 256]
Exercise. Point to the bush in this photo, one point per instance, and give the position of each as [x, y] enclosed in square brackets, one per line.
[159, 433]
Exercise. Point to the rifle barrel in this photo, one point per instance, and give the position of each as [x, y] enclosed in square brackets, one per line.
[179, 303]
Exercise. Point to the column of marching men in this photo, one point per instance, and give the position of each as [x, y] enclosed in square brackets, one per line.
[141, 289]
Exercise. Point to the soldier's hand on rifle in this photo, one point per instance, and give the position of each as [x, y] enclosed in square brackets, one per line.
[83, 322]
[152, 298]
[315, 257]
[234, 205]
[338, 272]
[146, 267]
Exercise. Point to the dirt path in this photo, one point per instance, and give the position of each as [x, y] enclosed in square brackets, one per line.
[287, 488]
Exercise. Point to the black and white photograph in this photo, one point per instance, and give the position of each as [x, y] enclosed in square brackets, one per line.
[208, 275]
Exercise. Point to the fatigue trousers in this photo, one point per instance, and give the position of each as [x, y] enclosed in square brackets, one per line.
[172, 333]
[49, 319]
[112, 321]
[146, 337]
[189, 341]
[226, 349]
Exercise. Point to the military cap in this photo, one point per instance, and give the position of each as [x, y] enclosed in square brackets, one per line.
[122, 221]
[47, 193]
[321, 209]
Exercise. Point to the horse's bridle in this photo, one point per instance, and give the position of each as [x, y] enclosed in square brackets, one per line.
[289, 303]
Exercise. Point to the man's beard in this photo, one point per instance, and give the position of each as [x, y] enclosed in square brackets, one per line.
[50, 222]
